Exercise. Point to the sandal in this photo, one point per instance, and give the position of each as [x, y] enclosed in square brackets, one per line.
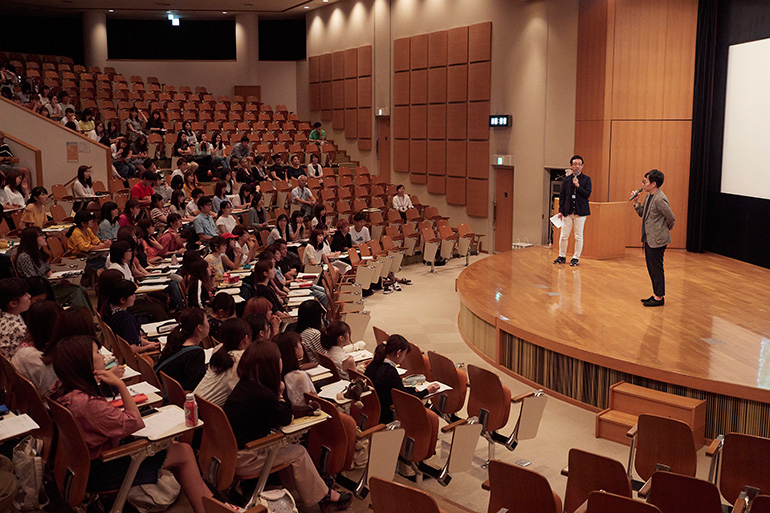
[342, 503]
[404, 281]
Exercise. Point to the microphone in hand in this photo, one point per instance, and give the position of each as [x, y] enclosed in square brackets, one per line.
[635, 193]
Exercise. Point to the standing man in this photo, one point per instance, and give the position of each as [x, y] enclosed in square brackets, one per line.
[657, 221]
[573, 209]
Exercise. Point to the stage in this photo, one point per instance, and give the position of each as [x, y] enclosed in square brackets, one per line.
[576, 331]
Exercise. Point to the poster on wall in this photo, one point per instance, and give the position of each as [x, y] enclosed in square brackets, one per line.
[72, 152]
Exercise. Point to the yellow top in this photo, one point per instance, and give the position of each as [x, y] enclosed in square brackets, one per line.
[34, 215]
[82, 240]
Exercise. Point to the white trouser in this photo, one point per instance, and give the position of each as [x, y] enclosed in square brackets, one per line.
[579, 222]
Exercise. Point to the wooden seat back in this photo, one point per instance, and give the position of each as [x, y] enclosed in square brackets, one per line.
[72, 462]
[520, 489]
[388, 497]
[327, 362]
[589, 472]
[667, 441]
[144, 362]
[603, 502]
[443, 369]
[761, 504]
[371, 404]
[337, 434]
[676, 493]
[744, 462]
[217, 455]
[419, 423]
[379, 335]
[174, 391]
[415, 362]
[489, 393]
[27, 400]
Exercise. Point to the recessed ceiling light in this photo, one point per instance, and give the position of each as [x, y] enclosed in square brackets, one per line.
[175, 22]
[307, 7]
[170, 17]
[224, 12]
[325, 1]
[112, 10]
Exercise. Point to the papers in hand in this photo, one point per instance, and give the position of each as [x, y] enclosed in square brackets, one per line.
[441, 386]
[166, 420]
[401, 371]
[129, 373]
[331, 390]
[558, 223]
[12, 426]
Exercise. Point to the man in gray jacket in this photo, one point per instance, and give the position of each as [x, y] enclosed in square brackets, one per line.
[657, 221]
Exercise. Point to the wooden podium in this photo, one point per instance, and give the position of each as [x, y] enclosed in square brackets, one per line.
[604, 236]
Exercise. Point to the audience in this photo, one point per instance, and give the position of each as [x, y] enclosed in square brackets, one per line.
[183, 358]
[28, 359]
[34, 212]
[204, 224]
[14, 300]
[333, 338]
[222, 375]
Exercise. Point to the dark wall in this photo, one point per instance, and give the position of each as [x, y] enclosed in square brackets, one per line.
[43, 35]
[282, 40]
[208, 40]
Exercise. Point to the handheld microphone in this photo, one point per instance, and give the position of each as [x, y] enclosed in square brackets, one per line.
[636, 193]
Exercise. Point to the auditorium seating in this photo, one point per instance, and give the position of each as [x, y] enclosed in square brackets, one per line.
[742, 462]
[659, 440]
[587, 472]
[517, 488]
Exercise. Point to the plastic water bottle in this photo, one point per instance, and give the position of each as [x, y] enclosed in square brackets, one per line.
[190, 411]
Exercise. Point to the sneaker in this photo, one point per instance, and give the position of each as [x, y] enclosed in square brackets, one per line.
[574, 262]
[560, 260]
[387, 290]
[397, 287]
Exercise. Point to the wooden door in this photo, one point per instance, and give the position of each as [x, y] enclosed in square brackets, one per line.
[503, 208]
[383, 146]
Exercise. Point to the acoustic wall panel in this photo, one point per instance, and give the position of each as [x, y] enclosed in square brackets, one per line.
[418, 86]
[338, 65]
[455, 190]
[400, 122]
[326, 95]
[456, 155]
[326, 115]
[478, 120]
[437, 121]
[338, 119]
[457, 83]
[477, 200]
[351, 93]
[365, 61]
[338, 94]
[457, 121]
[457, 46]
[436, 184]
[478, 159]
[351, 123]
[437, 48]
[401, 54]
[418, 157]
[314, 69]
[418, 51]
[401, 88]
[365, 144]
[364, 91]
[479, 81]
[365, 123]
[326, 67]
[315, 96]
[418, 122]
[436, 162]
[351, 63]
[437, 85]
[401, 155]
[480, 42]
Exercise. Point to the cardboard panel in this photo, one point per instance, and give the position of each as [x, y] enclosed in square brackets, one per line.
[418, 121]
[418, 51]
[457, 83]
[351, 63]
[418, 86]
[436, 158]
[326, 95]
[455, 190]
[478, 120]
[338, 94]
[401, 155]
[418, 156]
[400, 122]
[365, 61]
[338, 65]
[478, 159]
[351, 123]
[401, 54]
[480, 42]
[365, 123]
[351, 93]
[326, 67]
[338, 119]
[365, 91]
[456, 152]
[437, 121]
[477, 201]
[437, 48]
[365, 144]
[437, 85]
[436, 184]
[457, 121]
[479, 81]
[326, 115]
[314, 69]
[401, 88]
[457, 46]
[315, 96]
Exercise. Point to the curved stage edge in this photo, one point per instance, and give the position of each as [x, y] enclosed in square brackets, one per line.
[577, 331]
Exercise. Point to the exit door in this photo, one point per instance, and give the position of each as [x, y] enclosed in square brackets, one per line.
[503, 208]
[383, 147]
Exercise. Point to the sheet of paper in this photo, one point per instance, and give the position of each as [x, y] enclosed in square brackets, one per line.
[208, 352]
[163, 421]
[331, 390]
[165, 327]
[362, 355]
[138, 388]
[16, 425]
[129, 373]
[558, 223]
[317, 371]
[441, 386]
[401, 371]
[154, 281]
[299, 293]
[65, 274]
[238, 299]
[145, 289]
[232, 291]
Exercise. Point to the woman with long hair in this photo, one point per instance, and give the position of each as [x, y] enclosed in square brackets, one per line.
[260, 170]
[225, 221]
[183, 358]
[243, 173]
[121, 157]
[190, 183]
[220, 190]
[264, 272]
[80, 368]
[314, 168]
[297, 381]
[200, 281]
[317, 252]
[202, 155]
[134, 122]
[28, 359]
[245, 193]
[98, 133]
[333, 338]
[219, 154]
[282, 230]
[260, 389]
[15, 191]
[319, 215]
[311, 317]
[34, 212]
[178, 202]
[297, 225]
[130, 213]
[155, 123]
[108, 226]
[257, 212]
[222, 374]
[121, 296]
[182, 146]
[86, 123]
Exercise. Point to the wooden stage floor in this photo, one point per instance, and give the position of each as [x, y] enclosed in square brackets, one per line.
[712, 335]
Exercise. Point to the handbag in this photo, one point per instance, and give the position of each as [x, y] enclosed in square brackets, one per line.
[28, 467]
[151, 498]
[278, 501]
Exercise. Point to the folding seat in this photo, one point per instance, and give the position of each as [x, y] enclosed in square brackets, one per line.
[657, 440]
[514, 488]
[587, 472]
[742, 462]
[677, 493]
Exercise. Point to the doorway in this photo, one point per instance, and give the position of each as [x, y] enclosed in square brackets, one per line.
[383, 147]
[503, 208]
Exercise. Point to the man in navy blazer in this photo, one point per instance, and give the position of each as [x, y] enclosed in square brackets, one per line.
[573, 209]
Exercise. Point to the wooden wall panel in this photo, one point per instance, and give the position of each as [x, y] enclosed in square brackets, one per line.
[365, 61]
[675, 165]
[436, 184]
[418, 122]
[679, 70]
[436, 163]
[338, 94]
[364, 91]
[351, 123]
[338, 65]
[326, 115]
[351, 93]
[401, 155]
[455, 190]
[365, 120]
[478, 159]
[401, 54]
[478, 120]
[314, 69]
[365, 144]
[437, 121]
[326, 67]
[418, 156]
[457, 121]
[437, 85]
[477, 201]
[315, 96]
[479, 81]
[400, 124]
[480, 42]
[437, 48]
[418, 178]
[457, 83]
[326, 95]
[456, 152]
[590, 137]
[401, 88]
[457, 45]
[351, 63]
[338, 119]
[418, 86]
[639, 57]
[418, 51]
[592, 59]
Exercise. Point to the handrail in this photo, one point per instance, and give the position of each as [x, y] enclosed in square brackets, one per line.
[36, 151]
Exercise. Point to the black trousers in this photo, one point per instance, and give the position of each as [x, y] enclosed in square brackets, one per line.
[654, 259]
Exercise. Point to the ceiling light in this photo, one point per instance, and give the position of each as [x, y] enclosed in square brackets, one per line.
[325, 1]
[175, 22]
[112, 10]
[170, 17]
[307, 7]
[224, 12]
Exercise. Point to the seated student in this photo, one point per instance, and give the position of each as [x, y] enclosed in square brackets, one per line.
[190, 183]
[218, 258]
[80, 369]
[277, 171]
[28, 359]
[152, 248]
[159, 212]
[359, 233]
[181, 170]
[183, 358]
[302, 195]
[226, 223]
[86, 124]
[341, 240]
[34, 212]
[154, 125]
[294, 170]
[200, 282]
[70, 120]
[192, 209]
[227, 176]
[82, 239]
[121, 155]
[222, 374]
[281, 230]
[297, 226]
[259, 170]
[264, 327]
[243, 172]
[7, 160]
[182, 147]
[257, 212]
[218, 156]
[402, 202]
[83, 188]
[246, 245]
[204, 224]
[333, 338]
[121, 297]
[310, 322]
[264, 272]
[130, 214]
[121, 256]
[314, 169]
[317, 252]
[319, 216]
[297, 381]
[14, 190]
[220, 190]
[177, 203]
[260, 389]
[222, 309]
[171, 241]
[202, 155]
[382, 371]
[241, 149]
[143, 191]
[160, 186]
[32, 259]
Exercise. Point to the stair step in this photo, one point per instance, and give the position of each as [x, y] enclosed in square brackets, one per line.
[613, 425]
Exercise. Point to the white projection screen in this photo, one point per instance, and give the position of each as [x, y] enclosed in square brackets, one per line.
[746, 144]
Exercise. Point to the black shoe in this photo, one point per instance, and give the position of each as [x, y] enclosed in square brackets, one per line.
[342, 503]
[647, 299]
[560, 260]
[574, 262]
[655, 302]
